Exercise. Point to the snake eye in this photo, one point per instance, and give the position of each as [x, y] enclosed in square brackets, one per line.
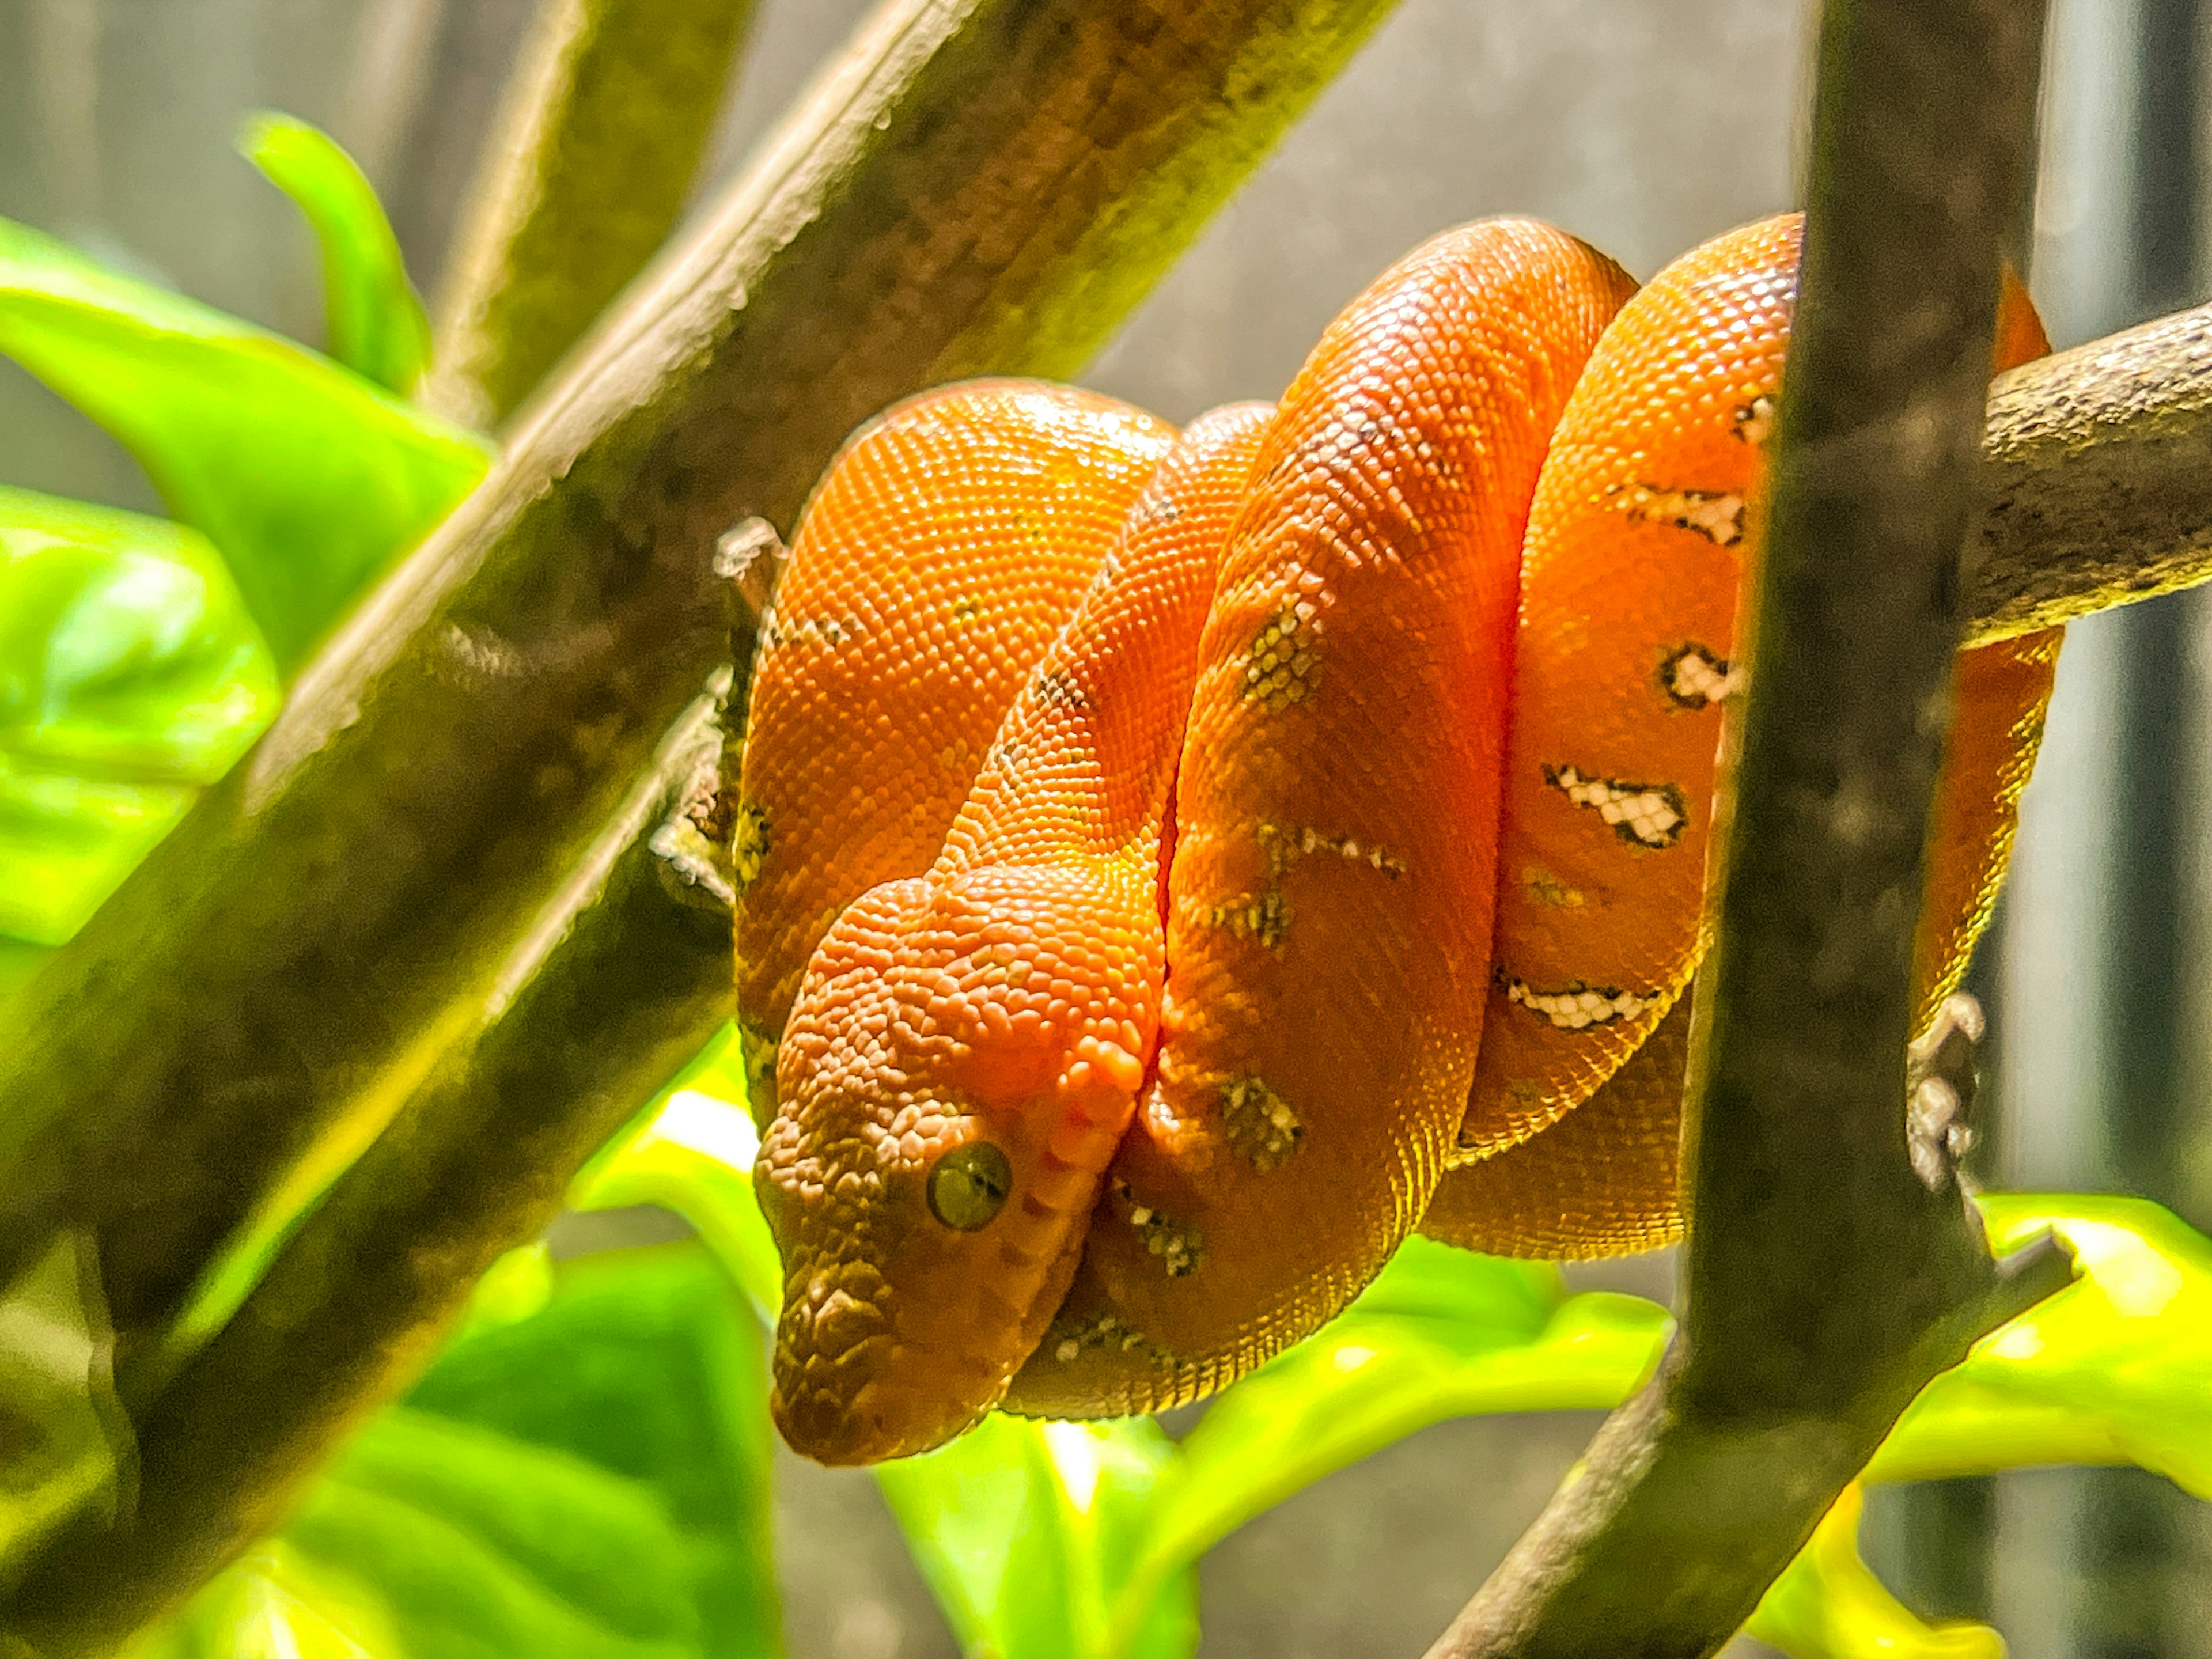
[970, 1184]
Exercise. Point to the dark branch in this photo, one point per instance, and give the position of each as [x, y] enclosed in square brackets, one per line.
[1826, 1281]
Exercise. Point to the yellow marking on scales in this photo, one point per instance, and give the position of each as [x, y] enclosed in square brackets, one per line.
[1718, 515]
[1547, 890]
[1265, 915]
[1284, 663]
[1258, 1122]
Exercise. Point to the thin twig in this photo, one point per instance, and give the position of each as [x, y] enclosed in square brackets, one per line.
[585, 174]
[1827, 1281]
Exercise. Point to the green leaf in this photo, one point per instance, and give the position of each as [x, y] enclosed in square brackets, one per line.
[309, 479]
[1828, 1605]
[2110, 1369]
[590, 1480]
[1028, 1532]
[130, 676]
[691, 1150]
[376, 324]
[1441, 1333]
[273, 1604]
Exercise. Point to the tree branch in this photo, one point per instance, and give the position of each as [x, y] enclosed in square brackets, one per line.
[977, 185]
[1826, 1281]
[589, 161]
[2098, 485]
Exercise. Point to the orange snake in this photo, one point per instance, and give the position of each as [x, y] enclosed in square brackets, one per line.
[1174, 867]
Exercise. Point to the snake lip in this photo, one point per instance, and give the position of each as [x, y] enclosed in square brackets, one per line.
[860, 1378]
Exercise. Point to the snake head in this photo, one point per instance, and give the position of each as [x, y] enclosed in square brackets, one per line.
[964, 1056]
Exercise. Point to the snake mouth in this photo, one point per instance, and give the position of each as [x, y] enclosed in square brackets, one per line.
[862, 1375]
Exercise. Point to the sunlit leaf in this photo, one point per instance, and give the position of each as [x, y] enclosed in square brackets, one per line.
[589, 1479]
[2112, 1369]
[309, 479]
[1443, 1332]
[1826, 1605]
[272, 1604]
[1028, 1532]
[375, 320]
[691, 1151]
[130, 675]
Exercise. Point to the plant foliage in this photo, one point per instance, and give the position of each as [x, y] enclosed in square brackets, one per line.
[586, 1471]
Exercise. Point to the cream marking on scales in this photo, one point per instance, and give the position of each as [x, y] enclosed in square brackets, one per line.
[1754, 421]
[1644, 814]
[1266, 916]
[1718, 517]
[1180, 1247]
[1693, 677]
[777, 631]
[1258, 1122]
[1574, 1006]
[1105, 1331]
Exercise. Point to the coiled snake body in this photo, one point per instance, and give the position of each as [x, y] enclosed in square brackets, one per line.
[1174, 866]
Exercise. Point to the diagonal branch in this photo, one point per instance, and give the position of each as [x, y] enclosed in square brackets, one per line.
[1826, 1280]
[977, 184]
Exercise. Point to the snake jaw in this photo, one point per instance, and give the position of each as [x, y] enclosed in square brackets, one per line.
[909, 1302]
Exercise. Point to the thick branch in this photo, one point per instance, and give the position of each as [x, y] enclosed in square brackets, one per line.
[585, 173]
[1827, 1282]
[601, 999]
[2098, 481]
[980, 184]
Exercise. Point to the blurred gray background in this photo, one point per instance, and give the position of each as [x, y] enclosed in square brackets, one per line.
[1643, 126]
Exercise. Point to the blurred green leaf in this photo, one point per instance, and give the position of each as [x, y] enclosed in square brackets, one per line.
[1826, 1605]
[1028, 1533]
[272, 1604]
[1441, 1333]
[2112, 1369]
[130, 675]
[590, 1480]
[309, 479]
[691, 1150]
[377, 328]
